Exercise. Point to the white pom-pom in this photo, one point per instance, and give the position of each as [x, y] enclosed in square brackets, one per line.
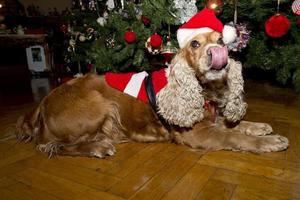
[229, 34]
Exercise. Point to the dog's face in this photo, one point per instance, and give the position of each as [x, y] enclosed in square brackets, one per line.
[208, 56]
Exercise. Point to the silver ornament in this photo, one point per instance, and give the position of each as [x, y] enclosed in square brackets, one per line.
[101, 21]
[186, 8]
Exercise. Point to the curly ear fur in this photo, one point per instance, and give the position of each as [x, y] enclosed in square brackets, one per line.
[236, 107]
[180, 102]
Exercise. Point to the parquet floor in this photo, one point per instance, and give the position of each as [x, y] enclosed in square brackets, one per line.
[158, 171]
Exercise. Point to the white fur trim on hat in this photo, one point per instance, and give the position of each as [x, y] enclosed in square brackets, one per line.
[229, 34]
[184, 35]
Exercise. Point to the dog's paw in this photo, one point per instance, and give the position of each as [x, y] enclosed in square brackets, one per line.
[235, 111]
[272, 143]
[102, 149]
[259, 129]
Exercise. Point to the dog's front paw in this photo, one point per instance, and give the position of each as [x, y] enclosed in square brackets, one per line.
[272, 143]
[235, 111]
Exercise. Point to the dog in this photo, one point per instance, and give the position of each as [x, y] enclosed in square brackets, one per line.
[87, 117]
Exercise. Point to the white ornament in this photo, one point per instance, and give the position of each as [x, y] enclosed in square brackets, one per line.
[110, 4]
[101, 21]
[82, 38]
[72, 42]
[186, 8]
[296, 7]
[229, 34]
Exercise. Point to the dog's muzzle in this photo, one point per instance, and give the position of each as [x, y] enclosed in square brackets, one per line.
[219, 57]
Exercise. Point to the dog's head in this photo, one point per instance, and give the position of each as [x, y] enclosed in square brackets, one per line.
[207, 55]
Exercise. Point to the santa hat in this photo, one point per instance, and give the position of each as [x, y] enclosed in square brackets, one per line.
[204, 21]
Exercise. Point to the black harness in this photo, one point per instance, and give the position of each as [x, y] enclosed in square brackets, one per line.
[152, 100]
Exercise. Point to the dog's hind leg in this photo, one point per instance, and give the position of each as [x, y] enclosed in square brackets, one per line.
[101, 147]
[215, 138]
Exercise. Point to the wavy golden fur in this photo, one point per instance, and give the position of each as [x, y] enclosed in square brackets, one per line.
[86, 117]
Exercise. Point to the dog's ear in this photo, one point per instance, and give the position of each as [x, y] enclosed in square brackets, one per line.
[180, 102]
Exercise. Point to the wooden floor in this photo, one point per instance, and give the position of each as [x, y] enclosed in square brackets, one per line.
[158, 171]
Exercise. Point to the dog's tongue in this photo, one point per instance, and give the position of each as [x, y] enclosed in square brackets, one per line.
[219, 57]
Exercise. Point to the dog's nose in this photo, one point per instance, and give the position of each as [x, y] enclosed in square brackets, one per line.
[219, 57]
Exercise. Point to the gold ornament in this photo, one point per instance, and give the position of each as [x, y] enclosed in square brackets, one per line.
[215, 5]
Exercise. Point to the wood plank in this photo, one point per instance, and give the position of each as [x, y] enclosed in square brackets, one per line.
[10, 169]
[124, 152]
[59, 187]
[25, 192]
[16, 153]
[131, 164]
[191, 184]
[279, 188]
[294, 138]
[217, 190]
[6, 181]
[8, 195]
[65, 170]
[135, 180]
[163, 181]
[279, 170]
[242, 193]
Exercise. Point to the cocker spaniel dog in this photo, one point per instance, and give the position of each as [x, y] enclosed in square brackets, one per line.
[87, 117]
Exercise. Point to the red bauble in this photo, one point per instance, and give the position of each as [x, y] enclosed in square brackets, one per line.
[277, 26]
[215, 5]
[130, 37]
[146, 21]
[155, 40]
[64, 28]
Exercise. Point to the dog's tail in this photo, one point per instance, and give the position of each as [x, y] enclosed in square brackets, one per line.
[28, 125]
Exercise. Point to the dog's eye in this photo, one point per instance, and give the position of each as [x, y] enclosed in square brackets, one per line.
[195, 44]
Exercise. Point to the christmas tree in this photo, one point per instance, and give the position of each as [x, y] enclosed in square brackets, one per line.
[139, 35]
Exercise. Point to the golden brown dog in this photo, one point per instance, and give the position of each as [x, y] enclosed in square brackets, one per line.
[86, 117]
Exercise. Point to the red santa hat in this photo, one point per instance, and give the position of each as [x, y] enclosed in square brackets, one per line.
[204, 21]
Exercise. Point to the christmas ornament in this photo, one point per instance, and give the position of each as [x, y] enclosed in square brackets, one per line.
[168, 51]
[186, 8]
[125, 14]
[130, 37]
[296, 7]
[82, 7]
[151, 49]
[72, 42]
[92, 5]
[110, 41]
[101, 21]
[215, 5]
[82, 38]
[138, 11]
[146, 21]
[110, 4]
[277, 26]
[242, 39]
[64, 28]
[204, 21]
[155, 40]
